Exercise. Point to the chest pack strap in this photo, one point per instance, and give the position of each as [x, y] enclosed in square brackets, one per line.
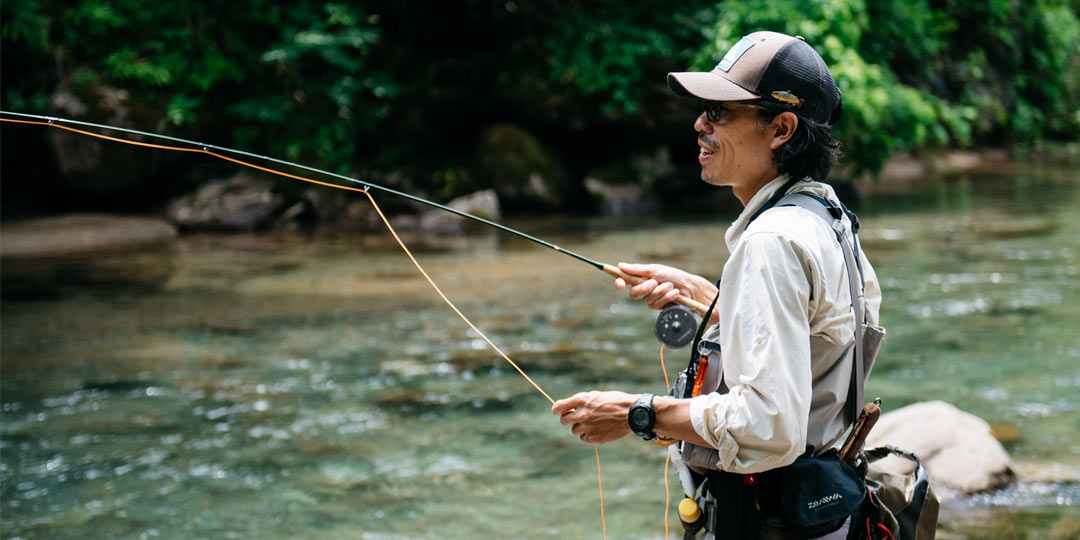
[691, 369]
[833, 213]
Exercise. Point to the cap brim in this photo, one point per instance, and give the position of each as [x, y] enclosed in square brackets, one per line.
[707, 85]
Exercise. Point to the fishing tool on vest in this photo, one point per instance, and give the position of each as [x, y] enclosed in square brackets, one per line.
[690, 514]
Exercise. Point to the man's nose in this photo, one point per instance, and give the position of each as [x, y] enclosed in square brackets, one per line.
[702, 124]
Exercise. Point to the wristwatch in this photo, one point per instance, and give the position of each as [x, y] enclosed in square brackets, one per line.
[642, 417]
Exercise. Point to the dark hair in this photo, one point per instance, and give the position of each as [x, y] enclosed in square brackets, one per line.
[811, 152]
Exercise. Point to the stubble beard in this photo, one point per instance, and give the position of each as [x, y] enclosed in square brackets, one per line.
[712, 178]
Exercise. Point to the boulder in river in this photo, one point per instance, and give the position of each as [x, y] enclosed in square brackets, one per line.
[240, 203]
[484, 204]
[956, 447]
[616, 199]
[628, 185]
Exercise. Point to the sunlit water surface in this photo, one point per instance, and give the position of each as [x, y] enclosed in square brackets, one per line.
[295, 387]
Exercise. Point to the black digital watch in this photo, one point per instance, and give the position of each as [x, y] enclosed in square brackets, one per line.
[642, 417]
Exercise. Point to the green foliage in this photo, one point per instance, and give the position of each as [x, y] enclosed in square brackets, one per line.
[247, 68]
[316, 90]
[915, 75]
[413, 89]
[610, 50]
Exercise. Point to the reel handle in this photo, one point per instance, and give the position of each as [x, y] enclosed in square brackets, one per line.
[694, 305]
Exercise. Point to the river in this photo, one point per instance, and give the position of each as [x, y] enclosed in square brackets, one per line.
[288, 386]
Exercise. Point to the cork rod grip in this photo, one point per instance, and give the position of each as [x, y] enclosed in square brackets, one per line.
[694, 305]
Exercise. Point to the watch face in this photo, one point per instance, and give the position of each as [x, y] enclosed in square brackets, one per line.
[639, 418]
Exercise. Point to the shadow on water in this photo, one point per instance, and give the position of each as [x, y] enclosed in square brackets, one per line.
[285, 387]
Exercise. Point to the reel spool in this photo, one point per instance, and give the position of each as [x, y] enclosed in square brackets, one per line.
[675, 326]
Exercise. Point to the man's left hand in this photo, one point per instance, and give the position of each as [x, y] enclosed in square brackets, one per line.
[596, 417]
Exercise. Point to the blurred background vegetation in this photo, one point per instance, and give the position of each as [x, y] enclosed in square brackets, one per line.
[531, 97]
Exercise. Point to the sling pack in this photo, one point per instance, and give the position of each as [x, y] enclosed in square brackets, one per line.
[900, 506]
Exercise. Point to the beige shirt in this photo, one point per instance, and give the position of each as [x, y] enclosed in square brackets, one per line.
[786, 328]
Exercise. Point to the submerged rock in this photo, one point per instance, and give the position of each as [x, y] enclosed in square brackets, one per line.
[1015, 227]
[957, 448]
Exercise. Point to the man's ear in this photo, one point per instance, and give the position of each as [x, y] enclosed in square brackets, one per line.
[783, 127]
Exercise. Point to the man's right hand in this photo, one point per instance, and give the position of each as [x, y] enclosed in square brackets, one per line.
[663, 284]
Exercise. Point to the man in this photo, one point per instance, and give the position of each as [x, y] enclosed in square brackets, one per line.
[783, 317]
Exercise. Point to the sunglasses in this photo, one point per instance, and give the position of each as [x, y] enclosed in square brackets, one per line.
[715, 109]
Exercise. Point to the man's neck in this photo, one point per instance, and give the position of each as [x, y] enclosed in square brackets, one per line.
[747, 191]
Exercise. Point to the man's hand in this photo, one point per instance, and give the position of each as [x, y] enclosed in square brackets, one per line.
[663, 284]
[595, 417]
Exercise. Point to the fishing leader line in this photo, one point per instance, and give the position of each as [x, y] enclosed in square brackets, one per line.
[206, 149]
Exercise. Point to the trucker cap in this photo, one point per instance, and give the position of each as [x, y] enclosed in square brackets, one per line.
[769, 66]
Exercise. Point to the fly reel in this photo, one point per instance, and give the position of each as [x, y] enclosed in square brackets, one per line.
[675, 326]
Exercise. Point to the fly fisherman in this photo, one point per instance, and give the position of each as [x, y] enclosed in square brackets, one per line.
[773, 376]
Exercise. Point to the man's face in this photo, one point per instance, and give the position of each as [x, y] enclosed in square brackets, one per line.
[734, 147]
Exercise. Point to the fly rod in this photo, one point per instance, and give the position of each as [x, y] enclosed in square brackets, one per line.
[63, 123]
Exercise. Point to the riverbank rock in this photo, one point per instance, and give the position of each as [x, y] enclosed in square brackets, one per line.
[628, 185]
[615, 199]
[240, 203]
[484, 204]
[80, 233]
[342, 210]
[956, 447]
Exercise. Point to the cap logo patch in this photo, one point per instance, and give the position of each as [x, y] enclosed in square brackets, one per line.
[788, 97]
[734, 53]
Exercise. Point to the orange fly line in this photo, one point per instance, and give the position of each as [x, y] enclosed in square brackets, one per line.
[365, 191]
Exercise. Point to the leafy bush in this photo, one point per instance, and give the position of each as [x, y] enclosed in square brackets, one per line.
[915, 75]
[407, 90]
[287, 79]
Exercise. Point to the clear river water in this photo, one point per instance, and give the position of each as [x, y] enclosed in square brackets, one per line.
[314, 387]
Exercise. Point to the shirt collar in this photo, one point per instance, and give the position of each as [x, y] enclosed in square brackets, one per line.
[734, 233]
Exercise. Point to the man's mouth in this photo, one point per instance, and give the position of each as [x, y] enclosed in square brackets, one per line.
[705, 152]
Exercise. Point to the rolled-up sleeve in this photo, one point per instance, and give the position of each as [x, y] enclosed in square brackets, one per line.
[764, 333]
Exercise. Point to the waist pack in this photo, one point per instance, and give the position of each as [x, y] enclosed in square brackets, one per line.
[817, 494]
[898, 506]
